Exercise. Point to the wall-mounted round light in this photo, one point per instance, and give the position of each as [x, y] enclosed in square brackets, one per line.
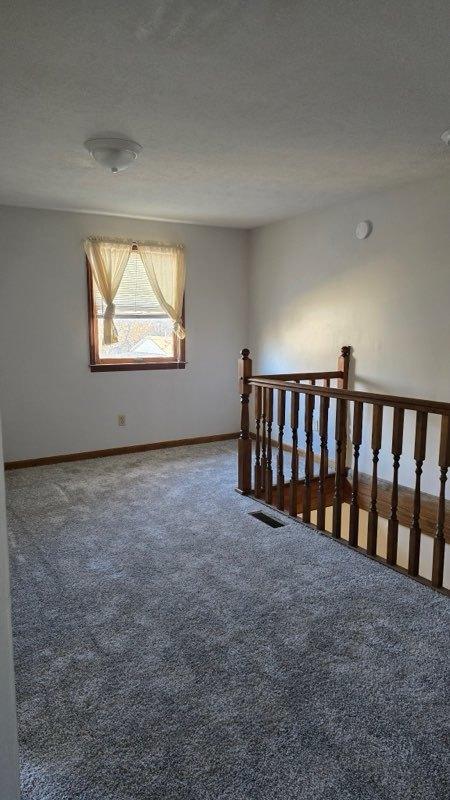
[363, 229]
[446, 137]
[114, 154]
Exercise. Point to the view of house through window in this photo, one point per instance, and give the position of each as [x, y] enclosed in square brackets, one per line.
[144, 329]
[139, 337]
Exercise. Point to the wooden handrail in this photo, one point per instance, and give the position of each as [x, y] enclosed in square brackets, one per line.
[297, 376]
[392, 401]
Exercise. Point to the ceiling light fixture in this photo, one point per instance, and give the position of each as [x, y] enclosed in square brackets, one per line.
[115, 154]
[363, 229]
[446, 137]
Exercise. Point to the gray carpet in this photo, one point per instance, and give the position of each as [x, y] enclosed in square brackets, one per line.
[168, 645]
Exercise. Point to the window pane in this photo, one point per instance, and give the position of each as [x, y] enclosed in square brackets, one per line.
[139, 338]
[134, 296]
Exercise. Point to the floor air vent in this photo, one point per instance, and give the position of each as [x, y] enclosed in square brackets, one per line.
[274, 523]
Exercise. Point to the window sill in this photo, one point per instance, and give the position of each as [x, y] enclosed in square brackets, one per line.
[130, 365]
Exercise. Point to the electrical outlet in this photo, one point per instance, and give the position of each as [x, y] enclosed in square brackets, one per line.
[121, 420]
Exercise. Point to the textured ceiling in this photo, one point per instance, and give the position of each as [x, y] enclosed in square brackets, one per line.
[248, 110]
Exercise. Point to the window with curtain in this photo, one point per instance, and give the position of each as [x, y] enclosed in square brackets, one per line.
[136, 306]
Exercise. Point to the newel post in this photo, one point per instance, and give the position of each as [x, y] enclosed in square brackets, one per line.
[244, 442]
[343, 365]
[342, 383]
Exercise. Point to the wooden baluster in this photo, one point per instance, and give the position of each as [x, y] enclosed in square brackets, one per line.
[258, 411]
[269, 421]
[343, 366]
[397, 446]
[244, 442]
[340, 434]
[309, 456]
[372, 526]
[311, 466]
[419, 457]
[263, 443]
[280, 459]
[323, 470]
[294, 460]
[439, 538]
[327, 384]
[354, 505]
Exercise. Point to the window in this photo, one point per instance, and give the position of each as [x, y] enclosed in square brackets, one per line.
[145, 332]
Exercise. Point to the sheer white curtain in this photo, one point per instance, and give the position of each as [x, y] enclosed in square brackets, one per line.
[108, 261]
[164, 265]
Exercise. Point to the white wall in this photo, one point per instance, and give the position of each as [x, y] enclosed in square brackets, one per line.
[314, 287]
[9, 786]
[51, 402]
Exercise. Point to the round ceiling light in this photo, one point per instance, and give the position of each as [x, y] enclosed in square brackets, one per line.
[363, 229]
[114, 154]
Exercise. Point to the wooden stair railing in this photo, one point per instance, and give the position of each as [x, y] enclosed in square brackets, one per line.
[336, 484]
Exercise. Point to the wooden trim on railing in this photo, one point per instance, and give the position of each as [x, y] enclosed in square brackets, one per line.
[118, 451]
[392, 401]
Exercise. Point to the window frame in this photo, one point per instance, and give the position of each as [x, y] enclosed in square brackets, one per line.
[97, 364]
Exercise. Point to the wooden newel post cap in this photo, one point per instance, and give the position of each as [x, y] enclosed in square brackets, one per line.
[245, 371]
